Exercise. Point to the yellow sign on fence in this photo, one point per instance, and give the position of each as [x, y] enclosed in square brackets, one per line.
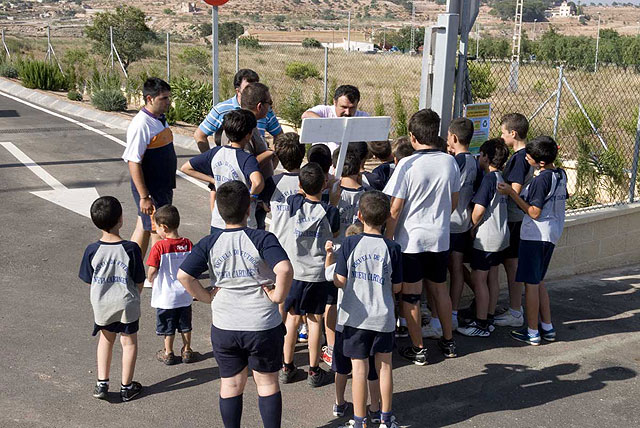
[480, 115]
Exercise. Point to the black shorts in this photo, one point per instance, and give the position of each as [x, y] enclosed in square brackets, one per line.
[418, 266]
[170, 320]
[308, 297]
[512, 251]
[460, 242]
[159, 198]
[359, 344]
[342, 365]
[332, 295]
[534, 261]
[484, 260]
[117, 327]
[259, 350]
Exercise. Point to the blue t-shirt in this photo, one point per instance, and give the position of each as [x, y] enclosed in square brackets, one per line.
[383, 172]
[213, 121]
[547, 191]
[469, 170]
[313, 224]
[371, 264]
[517, 170]
[113, 269]
[240, 261]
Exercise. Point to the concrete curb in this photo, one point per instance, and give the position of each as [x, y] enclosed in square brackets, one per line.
[111, 120]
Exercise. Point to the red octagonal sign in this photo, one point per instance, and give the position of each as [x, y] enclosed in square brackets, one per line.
[215, 2]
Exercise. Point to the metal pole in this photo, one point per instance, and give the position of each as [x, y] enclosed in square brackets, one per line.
[413, 34]
[5, 45]
[349, 33]
[48, 56]
[214, 52]
[477, 40]
[110, 41]
[384, 38]
[634, 167]
[558, 96]
[168, 59]
[534, 28]
[595, 68]
[326, 74]
[585, 114]
[237, 54]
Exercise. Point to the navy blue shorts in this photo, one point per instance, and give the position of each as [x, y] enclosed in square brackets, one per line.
[332, 295]
[342, 365]
[484, 260]
[512, 251]
[117, 327]
[358, 343]
[429, 265]
[535, 257]
[460, 242]
[170, 320]
[259, 350]
[308, 297]
[159, 198]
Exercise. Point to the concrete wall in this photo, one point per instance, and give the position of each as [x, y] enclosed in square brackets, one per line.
[606, 238]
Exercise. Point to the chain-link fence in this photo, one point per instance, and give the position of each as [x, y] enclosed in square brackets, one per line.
[594, 120]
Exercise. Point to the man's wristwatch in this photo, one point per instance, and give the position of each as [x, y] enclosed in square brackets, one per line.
[146, 197]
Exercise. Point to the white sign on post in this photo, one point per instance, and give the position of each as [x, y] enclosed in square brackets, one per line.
[344, 130]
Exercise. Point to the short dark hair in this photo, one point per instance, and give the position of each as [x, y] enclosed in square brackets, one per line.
[289, 150]
[361, 148]
[462, 128]
[311, 178]
[232, 199]
[238, 123]
[496, 150]
[320, 154]
[542, 149]
[253, 94]
[106, 212]
[245, 74]
[380, 149]
[352, 164]
[351, 92]
[424, 125]
[442, 144]
[167, 215]
[153, 87]
[516, 122]
[374, 207]
[402, 147]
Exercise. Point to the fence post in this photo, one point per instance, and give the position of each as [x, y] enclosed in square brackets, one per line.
[5, 45]
[214, 53]
[237, 54]
[634, 167]
[349, 33]
[558, 97]
[168, 59]
[325, 80]
[111, 42]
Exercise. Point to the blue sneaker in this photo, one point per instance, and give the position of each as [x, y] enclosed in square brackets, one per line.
[548, 335]
[340, 409]
[524, 336]
[374, 417]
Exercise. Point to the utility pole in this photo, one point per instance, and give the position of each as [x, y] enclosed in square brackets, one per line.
[413, 26]
[595, 68]
[515, 49]
[534, 28]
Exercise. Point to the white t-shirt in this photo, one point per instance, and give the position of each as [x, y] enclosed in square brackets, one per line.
[330, 111]
[425, 180]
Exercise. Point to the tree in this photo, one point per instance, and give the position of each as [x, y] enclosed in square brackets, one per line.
[228, 32]
[130, 33]
[534, 9]
[311, 43]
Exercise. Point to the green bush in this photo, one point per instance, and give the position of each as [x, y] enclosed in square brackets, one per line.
[400, 115]
[310, 42]
[576, 123]
[74, 95]
[109, 100]
[42, 75]
[103, 80]
[482, 84]
[249, 42]
[301, 70]
[8, 70]
[378, 106]
[192, 99]
[292, 108]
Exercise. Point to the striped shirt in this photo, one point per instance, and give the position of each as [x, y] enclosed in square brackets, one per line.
[213, 121]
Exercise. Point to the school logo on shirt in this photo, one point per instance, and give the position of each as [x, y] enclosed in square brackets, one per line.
[223, 171]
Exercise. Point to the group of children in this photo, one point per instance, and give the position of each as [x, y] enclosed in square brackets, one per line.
[349, 256]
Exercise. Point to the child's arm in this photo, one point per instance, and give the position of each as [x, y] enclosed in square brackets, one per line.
[284, 277]
[330, 259]
[190, 171]
[195, 288]
[397, 205]
[454, 200]
[530, 210]
[477, 214]
[212, 199]
[257, 182]
[152, 272]
[397, 288]
[339, 280]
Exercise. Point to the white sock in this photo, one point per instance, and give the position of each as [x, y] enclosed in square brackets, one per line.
[454, 314]
[532, 332]
[403, 322]
[435, 323]
[514, 313]
[545, 326]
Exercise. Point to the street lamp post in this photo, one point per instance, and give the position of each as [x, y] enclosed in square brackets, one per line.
[534, 28]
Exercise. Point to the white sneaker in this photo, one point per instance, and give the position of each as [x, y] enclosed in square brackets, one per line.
[473, 330]
[349, 424]
[392, 424]
[508, 320]
[430, 332]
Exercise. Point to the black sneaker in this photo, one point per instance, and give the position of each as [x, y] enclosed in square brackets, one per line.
[100, 391]
[127, 394]
[287, 375]
[402, 331]
[417, 356]
[448, 348]
[319, 378]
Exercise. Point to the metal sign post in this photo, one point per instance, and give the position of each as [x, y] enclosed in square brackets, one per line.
[214, 47]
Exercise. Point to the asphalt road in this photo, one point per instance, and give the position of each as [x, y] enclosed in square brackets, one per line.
[589, 378]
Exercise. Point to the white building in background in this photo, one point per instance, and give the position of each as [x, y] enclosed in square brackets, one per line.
[355, 46]
[562, 11]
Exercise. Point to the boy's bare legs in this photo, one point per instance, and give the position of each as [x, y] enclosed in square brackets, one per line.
[231, 389]
[359, 386]
[266, 383]
[341, 386]
[545, 304]
[141, 236]
[186, 341]
[129, 344]
[168, 344]
[411, 312]
[515, 288]
[330, 318]
[493, 280]
[374, 394]
[233, 386]
[481, 292]
[443, 303]
[456, 269]
[532, 300]
[290, 338]
[314, 322]
[106, 339]
[269, 398]
[384, 369]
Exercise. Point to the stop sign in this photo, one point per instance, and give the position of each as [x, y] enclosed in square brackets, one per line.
[215, 2]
